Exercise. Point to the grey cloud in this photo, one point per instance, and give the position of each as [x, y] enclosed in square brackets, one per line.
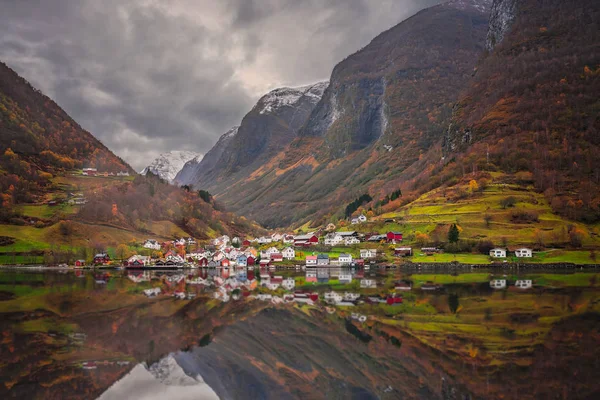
[146, 76]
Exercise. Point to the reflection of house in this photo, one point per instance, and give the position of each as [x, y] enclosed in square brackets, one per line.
[524, 284]
[524, 252]
[288, 283]
[368, 283]
[498, 253]
[402, 286]
[498, 284]
[311, 275]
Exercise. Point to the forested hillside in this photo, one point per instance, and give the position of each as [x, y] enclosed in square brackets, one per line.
[38, 139]
[533, 108]
[385, 106]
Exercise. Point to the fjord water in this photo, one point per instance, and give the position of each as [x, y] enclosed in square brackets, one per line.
[76, 334]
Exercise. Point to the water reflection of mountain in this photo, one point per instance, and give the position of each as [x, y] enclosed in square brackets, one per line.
[165, 379]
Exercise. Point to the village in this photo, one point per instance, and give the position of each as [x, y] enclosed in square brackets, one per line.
[283, 268]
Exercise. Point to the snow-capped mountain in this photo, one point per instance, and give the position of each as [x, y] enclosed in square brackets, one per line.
[167, 165]
[267, 129]
[282, 97]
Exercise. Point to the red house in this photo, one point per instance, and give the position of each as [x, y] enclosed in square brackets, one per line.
[251, 260]
[225, 263]
[101, 258]
[305, 240]
[203, 262]
[391, 300]
[276, 257]
[246, 243]
[394, 237]
[80, 263]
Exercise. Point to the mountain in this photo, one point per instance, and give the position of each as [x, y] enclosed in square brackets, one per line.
[43, 190]
[191, 171]
[268, 128]
[40, 133]
[167, 165]
[532, 108]
[385, 107]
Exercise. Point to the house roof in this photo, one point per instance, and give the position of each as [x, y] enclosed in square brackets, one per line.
[498, 248]
[395, 233]
[344, 255]
[304, 237]
[311, 257]
[323, 257]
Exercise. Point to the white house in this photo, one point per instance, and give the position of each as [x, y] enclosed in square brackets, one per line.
[498, 253]
[524, 284]
[152, 244]
[323, 259]
[498, 284]
[368, 283]
[288, 239]
[311, 260]
[288, 253]
[152, 292]
[524, 252]
[345, 258]
[264, 240]
[144, 260]
[362, 218]
[333, 239]
[176, 258]
[349, 241]
[271, 250]
[333, 297]
[368, 253]
[122, 173]
[354, 221]
[276, 237]
[288, 283]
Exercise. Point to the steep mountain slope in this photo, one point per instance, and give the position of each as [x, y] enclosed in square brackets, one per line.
[167, 165]
[191, 171]
[31, 123]
[385, 106]
[532, 108]
[270, 126]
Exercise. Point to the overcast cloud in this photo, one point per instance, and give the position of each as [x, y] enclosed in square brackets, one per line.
[148, 76]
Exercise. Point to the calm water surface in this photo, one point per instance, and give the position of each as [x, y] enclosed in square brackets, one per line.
[94, 334]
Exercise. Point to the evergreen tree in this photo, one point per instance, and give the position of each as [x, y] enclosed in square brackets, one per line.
[453, 234]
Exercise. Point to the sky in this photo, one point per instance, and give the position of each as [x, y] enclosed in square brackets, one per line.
[150, 76]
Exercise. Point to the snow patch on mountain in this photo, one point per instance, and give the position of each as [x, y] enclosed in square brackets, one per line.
[167, 165]
[282, 97]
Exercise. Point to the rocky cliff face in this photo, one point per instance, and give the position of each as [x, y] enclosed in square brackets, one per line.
[502, 15]
[385, 106]
[532, 95]
[192, 169]
[270, 126]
